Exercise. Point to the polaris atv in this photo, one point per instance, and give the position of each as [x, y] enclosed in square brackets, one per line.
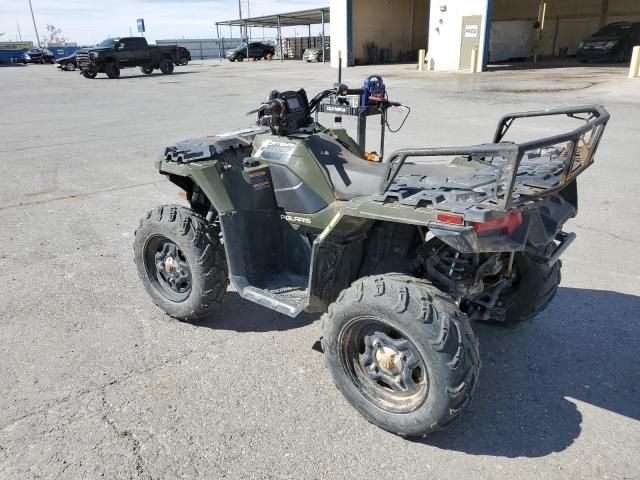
[399, 255]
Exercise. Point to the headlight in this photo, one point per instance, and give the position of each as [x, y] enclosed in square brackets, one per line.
[609, 45]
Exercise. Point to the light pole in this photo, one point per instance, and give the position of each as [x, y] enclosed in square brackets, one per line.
[34, 27]
[249, 28]
[239, 13]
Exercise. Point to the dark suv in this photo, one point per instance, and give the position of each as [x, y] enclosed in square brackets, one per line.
[613, 43]
[255, 50]
[38, 55]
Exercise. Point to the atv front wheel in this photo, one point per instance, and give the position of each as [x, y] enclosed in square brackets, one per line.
[147, 70]
[181, 262]
[402, 353]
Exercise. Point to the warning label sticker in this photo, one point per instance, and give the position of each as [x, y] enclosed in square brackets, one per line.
[260, 180]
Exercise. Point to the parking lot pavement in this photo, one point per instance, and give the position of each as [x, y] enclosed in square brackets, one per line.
[96, 382]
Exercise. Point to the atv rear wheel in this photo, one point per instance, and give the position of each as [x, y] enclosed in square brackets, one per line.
[402, 353]
[147, 70]
[181, 262]
[89, 73]
[534, 286]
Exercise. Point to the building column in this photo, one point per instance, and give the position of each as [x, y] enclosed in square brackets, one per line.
[340, 31]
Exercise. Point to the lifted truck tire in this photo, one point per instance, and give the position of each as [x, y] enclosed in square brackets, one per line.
[438, 355]
[112, 70]
[89, 74]
[535, 286]
[166, 66]
[181, 262]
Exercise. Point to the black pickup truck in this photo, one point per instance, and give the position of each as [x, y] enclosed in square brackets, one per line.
[112, 54]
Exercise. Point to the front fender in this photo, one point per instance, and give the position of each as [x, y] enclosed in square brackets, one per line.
[203, 174]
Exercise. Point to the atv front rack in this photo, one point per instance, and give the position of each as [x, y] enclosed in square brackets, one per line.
[516, 173]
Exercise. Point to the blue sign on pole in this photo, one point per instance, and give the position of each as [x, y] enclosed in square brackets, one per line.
[141, 25]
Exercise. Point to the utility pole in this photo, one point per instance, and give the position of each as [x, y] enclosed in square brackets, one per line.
[34, 26]
[19, 34]
[240, 13]
[249, 28]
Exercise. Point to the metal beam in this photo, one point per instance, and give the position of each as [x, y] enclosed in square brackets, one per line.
[219, 50]
[280, 40]
[604, 8]
[487, 35]
[322, 21]
[303, 17]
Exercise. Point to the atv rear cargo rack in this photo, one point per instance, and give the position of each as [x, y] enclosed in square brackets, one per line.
[502, 189]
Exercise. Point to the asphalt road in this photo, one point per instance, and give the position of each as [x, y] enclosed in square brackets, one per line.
[96, 382]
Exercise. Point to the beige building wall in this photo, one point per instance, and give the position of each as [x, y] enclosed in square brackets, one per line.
[400, 25]
[567, 22]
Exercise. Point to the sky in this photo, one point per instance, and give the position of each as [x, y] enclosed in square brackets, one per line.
[89, 21]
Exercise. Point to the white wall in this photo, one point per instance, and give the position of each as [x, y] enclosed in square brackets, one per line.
[445, 31]
[338, 31]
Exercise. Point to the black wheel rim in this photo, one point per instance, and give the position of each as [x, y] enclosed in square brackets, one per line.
[384, 364]
[167, 268]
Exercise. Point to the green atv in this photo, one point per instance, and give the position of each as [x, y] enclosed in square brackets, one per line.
[399, 254]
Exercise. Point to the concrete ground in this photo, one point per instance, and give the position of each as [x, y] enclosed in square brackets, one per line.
[96, 382]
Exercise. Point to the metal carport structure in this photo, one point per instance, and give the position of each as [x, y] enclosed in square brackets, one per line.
[314, 16]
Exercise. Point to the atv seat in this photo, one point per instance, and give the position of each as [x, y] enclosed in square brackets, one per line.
[351, 176]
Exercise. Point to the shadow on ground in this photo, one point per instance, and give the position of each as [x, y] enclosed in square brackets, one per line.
[240, 315]
[584, 347]
[143, 75]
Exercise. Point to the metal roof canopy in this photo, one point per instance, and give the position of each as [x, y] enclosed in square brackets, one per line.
[309, 17]
[313, 16]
